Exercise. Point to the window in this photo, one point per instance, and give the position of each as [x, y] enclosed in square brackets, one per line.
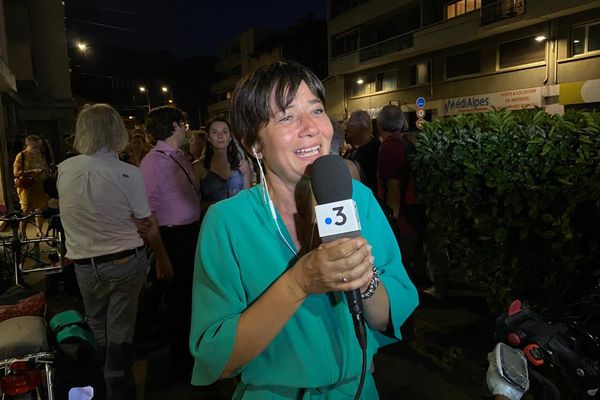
[345, 43]
[463, 64]
[386, 81]
[522, 51]
[362, 85]
[371, 83]
[585, 38]
[460, 7]
[419, 73]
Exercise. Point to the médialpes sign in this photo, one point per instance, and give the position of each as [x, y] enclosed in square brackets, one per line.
[510, 99]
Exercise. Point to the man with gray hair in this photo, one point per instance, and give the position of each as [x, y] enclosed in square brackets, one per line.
[396, 187]
[103, 209]
[365, 147]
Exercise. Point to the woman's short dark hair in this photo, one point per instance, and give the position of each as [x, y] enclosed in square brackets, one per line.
[251, 105]
[233, 156]
[159, 121]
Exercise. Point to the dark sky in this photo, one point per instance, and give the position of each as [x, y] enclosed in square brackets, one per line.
[183, 27]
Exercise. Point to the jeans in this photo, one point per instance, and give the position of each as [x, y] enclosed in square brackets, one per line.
[110, 294]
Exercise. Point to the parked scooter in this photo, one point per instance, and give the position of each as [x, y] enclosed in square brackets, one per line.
[25, 359]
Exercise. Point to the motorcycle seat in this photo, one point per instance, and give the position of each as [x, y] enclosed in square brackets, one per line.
[24, 335]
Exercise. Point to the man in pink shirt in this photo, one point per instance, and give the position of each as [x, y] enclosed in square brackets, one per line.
[175, 204]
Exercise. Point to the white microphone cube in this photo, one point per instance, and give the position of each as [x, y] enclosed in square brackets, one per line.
[337, 218]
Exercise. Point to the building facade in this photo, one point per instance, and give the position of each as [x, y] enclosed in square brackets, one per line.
[462, 55]
[35, 91]
[302, 43]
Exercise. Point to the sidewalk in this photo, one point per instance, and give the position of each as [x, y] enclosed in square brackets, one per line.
[445, 360]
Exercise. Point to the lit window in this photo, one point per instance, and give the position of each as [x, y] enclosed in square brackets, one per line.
[585, 38]
[460, 7]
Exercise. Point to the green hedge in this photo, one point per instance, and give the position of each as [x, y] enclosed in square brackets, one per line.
[518, 195]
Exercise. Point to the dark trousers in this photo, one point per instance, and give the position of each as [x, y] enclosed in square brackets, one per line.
[180, 243]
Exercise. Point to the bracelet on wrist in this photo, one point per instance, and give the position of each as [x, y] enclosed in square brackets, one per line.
[372, 285]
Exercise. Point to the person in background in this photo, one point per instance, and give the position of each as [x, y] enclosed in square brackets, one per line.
[197, 144]
[364, 147]
[31, 162]
[103, 206]
[226, 172]
[267, 301]
[137, 149]
[397, 188]
[175, 204]
[338, 144]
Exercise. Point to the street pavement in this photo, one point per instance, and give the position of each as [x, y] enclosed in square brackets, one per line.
[446, 359]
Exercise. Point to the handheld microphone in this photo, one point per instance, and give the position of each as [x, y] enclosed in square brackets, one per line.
[337, 217]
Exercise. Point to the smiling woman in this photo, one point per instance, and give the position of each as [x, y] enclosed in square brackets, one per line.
[266, 301]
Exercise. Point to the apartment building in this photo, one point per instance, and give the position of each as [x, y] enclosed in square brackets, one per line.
[462, 55]
[303, 43]
[35, 91]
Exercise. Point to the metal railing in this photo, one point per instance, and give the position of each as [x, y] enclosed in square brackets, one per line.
[388, 46]
[501, 10]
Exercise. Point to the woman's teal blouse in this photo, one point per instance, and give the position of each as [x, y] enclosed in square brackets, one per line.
[240, 253]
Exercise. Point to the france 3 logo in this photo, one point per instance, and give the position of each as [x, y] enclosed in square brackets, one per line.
[337, 218]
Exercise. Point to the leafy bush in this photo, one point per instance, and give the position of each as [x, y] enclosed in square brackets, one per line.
[518, 195]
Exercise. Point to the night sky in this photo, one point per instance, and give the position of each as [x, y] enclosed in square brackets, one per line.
[183, 27]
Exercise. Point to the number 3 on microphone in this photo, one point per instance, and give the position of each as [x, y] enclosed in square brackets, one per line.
[341, 215]
[337, 218]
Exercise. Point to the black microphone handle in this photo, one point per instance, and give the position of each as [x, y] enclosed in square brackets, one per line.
[352, 296]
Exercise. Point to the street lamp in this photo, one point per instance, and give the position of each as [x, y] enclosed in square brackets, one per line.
[82, 47]
[143, 89]
[167, 90]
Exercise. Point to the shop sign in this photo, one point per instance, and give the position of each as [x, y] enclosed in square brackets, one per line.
[510, 99]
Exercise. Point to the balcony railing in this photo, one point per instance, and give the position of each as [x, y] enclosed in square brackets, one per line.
[501, 10]
[388, 46]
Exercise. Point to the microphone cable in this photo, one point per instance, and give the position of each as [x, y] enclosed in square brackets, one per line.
[361, 335]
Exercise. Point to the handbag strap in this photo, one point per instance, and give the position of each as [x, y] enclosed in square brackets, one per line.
[183, 169]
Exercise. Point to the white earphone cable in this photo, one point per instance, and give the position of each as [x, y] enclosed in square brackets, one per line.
[267, 200]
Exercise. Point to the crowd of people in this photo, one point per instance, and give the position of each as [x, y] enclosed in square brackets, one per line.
[229, 217]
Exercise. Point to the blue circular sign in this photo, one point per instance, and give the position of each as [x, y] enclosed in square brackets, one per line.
[328, 221]
[421, 102]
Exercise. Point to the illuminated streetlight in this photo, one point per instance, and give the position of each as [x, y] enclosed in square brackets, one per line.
[167, 92]
[82, 47]
[360, 81]
[540, 38]
[143, 89]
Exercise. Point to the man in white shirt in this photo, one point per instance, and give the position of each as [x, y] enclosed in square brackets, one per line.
[103, 203]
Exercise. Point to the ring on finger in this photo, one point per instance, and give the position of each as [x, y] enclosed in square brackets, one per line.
[344, 279]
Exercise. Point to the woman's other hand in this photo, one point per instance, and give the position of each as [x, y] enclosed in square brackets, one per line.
[342, 265]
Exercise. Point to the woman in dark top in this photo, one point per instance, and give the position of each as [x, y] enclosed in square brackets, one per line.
[226, 173]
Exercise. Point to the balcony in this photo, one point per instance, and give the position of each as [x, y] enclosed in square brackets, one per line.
[386, 47]
[501, 10]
